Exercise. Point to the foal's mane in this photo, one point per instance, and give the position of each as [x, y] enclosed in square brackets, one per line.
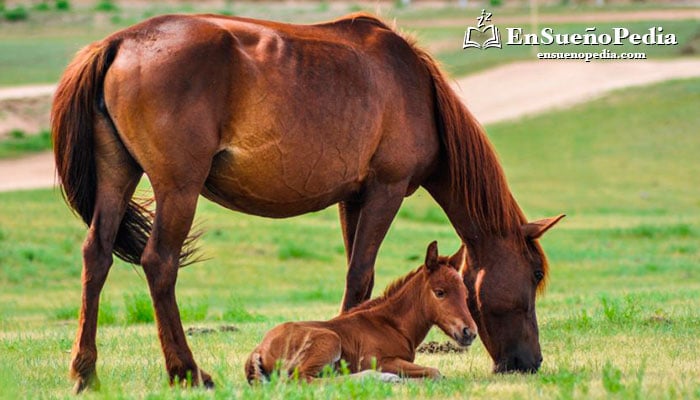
[390, 291]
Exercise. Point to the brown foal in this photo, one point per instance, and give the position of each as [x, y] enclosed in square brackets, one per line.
[382, 333]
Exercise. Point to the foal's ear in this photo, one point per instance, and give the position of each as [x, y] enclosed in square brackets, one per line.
[431, 257]
[458, 261]
[535, 229]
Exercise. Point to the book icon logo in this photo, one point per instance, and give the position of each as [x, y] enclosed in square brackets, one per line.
[490, 32]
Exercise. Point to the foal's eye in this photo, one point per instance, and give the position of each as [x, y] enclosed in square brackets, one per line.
[439, 293]
[539, 275]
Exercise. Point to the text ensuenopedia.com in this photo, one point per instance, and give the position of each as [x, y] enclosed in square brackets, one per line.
[604, 54]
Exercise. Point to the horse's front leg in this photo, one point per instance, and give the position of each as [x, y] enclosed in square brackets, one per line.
[379, 206]
[408, 369]
[175, 208]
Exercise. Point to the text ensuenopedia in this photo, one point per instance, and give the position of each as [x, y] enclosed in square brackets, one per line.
[604, 54]
[618, 37]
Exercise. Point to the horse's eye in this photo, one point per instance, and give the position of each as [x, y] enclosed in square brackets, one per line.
[539, 275]
[439, 293]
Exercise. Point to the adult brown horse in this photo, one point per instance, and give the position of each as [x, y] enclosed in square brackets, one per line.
[279, 120]
[382, 333]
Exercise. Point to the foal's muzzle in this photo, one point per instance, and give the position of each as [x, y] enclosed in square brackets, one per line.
[465, 337]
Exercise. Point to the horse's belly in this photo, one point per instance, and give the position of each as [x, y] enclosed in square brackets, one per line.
[270, 183]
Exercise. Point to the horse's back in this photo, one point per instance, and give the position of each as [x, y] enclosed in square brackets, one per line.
[292, 118]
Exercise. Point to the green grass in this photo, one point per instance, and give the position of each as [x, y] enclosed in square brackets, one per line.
[15, 14]
[450, 11]
[106, 6]
[38, 49]
[138, 308]
[38, 54]
[619, 319]
[19, 143]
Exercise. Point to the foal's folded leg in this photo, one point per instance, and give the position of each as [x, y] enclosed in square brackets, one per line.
[408, 369]
[378, 375]
[324, 349]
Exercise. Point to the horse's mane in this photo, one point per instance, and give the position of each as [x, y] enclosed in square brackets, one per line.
[389, 291]
[473, 162]
[360, 16]
[474, 168]
[473, 165]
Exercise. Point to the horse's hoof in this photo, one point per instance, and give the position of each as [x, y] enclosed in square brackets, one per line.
[208, 384]
[206, 380]
[436, 376]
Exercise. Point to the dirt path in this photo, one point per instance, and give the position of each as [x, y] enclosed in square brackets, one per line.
[507, 92]
[30, 172]
[524, 88]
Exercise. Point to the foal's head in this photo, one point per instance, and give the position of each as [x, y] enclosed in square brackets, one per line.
[445, 296]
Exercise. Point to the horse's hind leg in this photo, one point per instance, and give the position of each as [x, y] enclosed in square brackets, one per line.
[117, 177]
[176, 200]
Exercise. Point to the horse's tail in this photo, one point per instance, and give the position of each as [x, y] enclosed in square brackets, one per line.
[77, 100]
[474, 168]
[254, 371]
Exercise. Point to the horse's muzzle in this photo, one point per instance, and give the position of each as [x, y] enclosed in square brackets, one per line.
[517, 364]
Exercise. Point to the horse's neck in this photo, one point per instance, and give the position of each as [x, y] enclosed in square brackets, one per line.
[464, 219]
[406, 312]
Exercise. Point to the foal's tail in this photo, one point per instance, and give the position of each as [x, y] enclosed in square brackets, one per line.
[77, 100]
[254, 371]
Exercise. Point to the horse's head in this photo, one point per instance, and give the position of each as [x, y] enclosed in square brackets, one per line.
[446, 296]
[502, 279]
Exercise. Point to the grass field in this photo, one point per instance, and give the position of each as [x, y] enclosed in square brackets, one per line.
[19, 143]
[620, 317]
[37, 50]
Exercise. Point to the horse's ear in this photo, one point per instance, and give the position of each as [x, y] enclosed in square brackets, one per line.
[458, 261]
[431, 257]
[535, 229]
